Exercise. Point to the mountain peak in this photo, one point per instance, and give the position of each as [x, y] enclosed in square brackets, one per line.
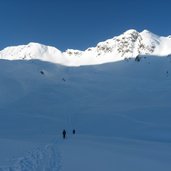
[130, 31]
[146, 31]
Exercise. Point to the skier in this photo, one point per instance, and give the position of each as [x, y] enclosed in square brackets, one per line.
[73, 131]
[64, 134]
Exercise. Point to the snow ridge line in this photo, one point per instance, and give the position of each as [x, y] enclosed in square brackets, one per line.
[47, 159]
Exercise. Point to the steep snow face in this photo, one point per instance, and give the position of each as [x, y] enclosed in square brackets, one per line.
[130, 44]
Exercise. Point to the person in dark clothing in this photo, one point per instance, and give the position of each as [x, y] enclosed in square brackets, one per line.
[64, 134]
[73, 131]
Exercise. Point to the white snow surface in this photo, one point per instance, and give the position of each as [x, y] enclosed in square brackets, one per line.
[121, 109]
[130, 44]
[121, 113]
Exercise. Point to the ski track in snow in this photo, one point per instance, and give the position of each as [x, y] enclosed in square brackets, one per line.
[47, 159]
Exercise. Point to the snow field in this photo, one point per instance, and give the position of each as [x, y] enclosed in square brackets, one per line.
[121, 113]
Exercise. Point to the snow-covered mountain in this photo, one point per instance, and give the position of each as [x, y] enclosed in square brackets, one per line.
[130, 44]
[121, 110]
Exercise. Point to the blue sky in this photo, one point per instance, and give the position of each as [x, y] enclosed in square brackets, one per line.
[78, 24]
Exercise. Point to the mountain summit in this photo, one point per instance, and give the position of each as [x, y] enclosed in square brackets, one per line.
[130, 44]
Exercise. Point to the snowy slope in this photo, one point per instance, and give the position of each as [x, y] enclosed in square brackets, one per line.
[127, 45]
[121, 112]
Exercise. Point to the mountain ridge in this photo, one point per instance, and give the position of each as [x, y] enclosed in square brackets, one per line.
[130, 44]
